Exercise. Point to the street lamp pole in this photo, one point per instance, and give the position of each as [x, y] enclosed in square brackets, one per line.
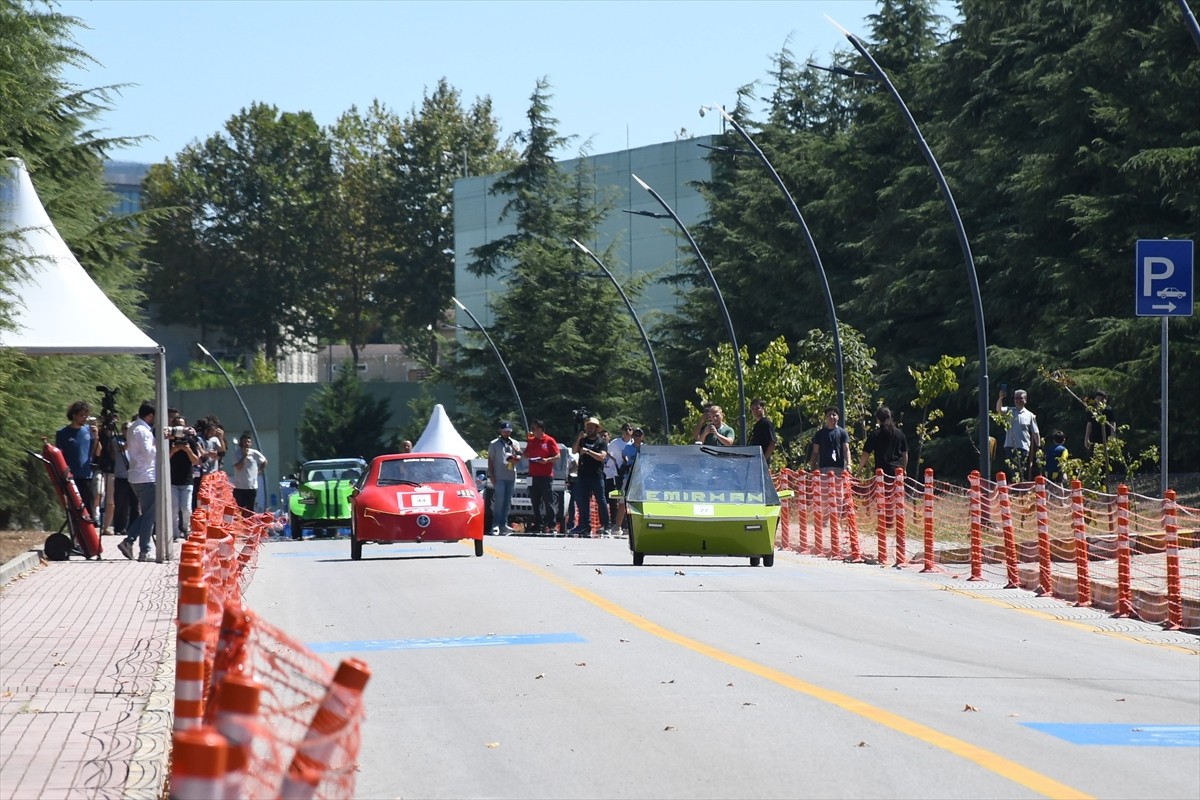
[1189, 19]
[662, 395]
[479, 327]
[712, 281]
[246, 411]
[839, 364]
[972, 276]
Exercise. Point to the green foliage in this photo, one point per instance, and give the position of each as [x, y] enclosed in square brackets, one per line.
[341, 420]
[202, 375]
[940, 379]
[51, 126]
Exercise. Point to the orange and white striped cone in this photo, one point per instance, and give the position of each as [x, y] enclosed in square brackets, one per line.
[198, 764]
[190, 656]
[236, 715]
[341, 706]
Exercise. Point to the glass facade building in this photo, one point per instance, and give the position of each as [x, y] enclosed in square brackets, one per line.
[638, 244]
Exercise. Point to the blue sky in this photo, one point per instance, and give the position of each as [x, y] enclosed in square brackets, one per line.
[624, 74]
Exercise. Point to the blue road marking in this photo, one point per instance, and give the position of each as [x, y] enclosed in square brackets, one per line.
[369, 645]
[1121, 734]
[327, 553]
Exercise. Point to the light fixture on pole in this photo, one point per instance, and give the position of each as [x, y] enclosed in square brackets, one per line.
[662, 395]
[249, 420]
[969, 260]
[712, 281]
[838, 363]
[480, 329]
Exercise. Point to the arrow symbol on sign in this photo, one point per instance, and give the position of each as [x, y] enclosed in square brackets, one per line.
[1168, 307]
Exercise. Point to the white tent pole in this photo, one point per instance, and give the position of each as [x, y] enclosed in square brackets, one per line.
[163, 518]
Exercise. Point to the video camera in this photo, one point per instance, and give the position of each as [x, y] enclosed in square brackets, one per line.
[581, 414]
[108, 407]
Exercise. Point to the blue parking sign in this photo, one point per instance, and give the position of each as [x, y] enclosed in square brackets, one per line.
[1163, 278]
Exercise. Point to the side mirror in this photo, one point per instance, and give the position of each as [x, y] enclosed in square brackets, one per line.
[784, 494]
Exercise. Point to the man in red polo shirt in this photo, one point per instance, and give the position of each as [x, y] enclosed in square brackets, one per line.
[542, 452]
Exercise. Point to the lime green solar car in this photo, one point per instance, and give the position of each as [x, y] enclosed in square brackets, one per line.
[322, 496]
[697, 500]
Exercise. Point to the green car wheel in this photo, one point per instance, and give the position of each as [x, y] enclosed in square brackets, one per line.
[769, 560]
[754, 560]
[638, 558]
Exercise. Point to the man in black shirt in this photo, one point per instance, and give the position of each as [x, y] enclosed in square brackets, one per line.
[763, 434]
[593, 452]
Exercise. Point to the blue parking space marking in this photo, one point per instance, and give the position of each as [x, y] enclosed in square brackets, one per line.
[369, 645]
[1121, 734]
[328, 553]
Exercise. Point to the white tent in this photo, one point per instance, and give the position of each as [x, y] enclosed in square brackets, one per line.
[441, 436]
[59, 309]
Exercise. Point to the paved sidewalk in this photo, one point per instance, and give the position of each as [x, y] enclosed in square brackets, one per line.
[87, 662]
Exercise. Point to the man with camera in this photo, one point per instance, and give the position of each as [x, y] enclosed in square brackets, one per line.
[503, 456]
[712, 429]
[593, 452]
[186, 454]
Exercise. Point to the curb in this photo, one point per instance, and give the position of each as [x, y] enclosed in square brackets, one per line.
[26, 562]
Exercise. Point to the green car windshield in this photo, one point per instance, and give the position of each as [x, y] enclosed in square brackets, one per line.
[701, 474]
[320, 471]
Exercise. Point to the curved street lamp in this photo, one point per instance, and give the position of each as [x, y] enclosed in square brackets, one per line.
[712, 281]
[662, 395]
[972, 276]
[480, 329]
[1189, 19]
[839, 364]
[246, 411]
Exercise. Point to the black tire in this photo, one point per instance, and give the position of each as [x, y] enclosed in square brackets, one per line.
[754, 561]
[639, 558]
[478, 548]
[355, 549]
[297, 527]
[57, 547]
[769, 560]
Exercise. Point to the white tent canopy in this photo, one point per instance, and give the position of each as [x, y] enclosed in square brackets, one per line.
[441, 436]
[59, 309]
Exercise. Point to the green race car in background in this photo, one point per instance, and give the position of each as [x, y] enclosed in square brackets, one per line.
[322, 495]
[697, 500]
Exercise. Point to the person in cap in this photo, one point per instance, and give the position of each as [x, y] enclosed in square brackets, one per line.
[593, 452]
[503, 455]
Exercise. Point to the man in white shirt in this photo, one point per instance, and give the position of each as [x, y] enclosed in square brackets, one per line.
[141, 449]
[245, 473]
[614, 472]
[1022, 438]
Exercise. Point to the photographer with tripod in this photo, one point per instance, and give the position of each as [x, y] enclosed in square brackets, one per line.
[111, 449]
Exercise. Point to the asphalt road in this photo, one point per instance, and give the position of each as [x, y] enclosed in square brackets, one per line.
[554, 668]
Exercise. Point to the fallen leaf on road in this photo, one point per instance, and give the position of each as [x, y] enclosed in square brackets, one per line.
[669, 728]
[729, 684]
[1120, 699]
[581, 663]
[680, 572]
[969, 707]
[539, 676]
[862, 744]
[623, 640]
[749, 704]
[598, 572]
[670, 681]
[493, 744]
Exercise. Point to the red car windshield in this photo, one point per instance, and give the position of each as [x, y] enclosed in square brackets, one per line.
[420, 471]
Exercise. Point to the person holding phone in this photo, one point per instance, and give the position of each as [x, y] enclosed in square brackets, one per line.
[1022, 437]
[715, 433]
[246, 467]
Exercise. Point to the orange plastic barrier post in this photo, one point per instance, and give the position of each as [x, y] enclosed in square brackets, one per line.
[198, 762]
[1124, 556]
[1010, 537]
[833, 488]
[341, 705]
[852, 519]
[785, 513]
[804, 492]
[882, 503]
[976, 500]
[237, 708]
[1083, 588]
[1174, 585]
[231, 643]
[900, 510]
[927, 500]
[190, 656]
[1045, 579]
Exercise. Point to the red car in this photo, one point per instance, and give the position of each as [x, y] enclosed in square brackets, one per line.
[416, 497]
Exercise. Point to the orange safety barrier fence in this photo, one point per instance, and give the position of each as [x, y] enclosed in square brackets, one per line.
[248, 696]
[1128, 554]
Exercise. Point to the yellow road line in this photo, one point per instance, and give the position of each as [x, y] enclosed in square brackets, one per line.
[1005, 768]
